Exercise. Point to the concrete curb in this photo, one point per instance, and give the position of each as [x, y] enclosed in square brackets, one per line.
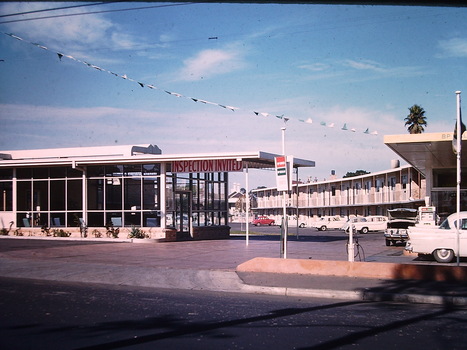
[380, 270]
[358, 295]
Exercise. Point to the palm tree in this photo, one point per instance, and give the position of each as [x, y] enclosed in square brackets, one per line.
[416, 120]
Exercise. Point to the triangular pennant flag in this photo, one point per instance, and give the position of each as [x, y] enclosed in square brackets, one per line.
[257, 113]
[374, 133]
[39, 45]
[331, 125]
[366, 131]
[194, 99]
[322, 123]
[59, 56]
[309, 121]
[353, 130]
[14, 36]
[344, 127]
[141, 84]
[286, 119]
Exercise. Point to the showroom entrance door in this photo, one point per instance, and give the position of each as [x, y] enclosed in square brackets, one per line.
[183, 212]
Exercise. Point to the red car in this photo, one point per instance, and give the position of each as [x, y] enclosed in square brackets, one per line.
[263, 220]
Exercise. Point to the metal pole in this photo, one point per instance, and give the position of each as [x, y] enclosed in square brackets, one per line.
[284, 206]
[247, 197]
[298, 211]
[458, 156]
[351, 252]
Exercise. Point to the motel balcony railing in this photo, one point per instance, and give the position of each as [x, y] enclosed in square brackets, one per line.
[326, 199]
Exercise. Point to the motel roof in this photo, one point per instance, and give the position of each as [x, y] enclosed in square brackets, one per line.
[127, 154]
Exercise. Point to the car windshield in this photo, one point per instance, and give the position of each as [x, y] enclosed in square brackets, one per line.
[445, 225]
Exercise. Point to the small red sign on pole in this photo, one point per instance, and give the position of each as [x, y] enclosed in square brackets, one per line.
[281, 173]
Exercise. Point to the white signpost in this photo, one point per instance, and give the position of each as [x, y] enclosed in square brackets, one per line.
[282, 181]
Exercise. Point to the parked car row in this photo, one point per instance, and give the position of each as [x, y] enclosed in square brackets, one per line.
[404, 225]
[360, 224]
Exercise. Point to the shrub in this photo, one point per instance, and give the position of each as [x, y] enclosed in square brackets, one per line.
[97, 233]
[137, 233]
[60, 233]
[112, 231]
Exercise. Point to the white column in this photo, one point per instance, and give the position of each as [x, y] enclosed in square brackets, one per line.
[163, 194]
[247, 215]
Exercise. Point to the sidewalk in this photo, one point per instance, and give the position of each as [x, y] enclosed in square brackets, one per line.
[208, 265]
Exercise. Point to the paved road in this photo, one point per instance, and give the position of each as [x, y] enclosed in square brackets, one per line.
[54, 315]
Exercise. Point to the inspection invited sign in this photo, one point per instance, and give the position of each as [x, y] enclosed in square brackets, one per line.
[207, 166]
[282, 180]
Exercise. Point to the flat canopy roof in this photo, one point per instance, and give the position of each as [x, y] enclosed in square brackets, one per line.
[427, 150]
[108, 155]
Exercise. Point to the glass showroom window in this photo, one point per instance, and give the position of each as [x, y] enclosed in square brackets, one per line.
[6, 189]
[124, 195]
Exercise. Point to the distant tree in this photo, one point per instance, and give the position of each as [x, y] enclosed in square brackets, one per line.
[416, 120]
[356, 173]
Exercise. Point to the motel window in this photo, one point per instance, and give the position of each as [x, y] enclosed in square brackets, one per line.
[392, 182]
[404, 180]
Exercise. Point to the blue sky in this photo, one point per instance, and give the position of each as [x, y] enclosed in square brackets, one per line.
[362, 66]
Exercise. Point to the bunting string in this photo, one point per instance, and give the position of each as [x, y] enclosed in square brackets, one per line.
[197, 100]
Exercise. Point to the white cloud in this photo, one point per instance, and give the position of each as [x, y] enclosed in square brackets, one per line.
[315, 67]
[365, 65]
[211, 62]
[455, 47]
[73, 33]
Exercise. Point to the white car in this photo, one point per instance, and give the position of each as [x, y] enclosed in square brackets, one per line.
[351, 222]
[329, 222]
[441, 242]
[372, 223]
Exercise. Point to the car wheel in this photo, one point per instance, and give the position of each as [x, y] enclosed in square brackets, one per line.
[270, 223]
[302, 225]
[443, 255]
[388, 243]
[364, 230]
[258, 224]
[323, 228]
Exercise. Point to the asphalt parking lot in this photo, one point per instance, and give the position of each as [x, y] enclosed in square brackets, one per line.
[309, 243]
